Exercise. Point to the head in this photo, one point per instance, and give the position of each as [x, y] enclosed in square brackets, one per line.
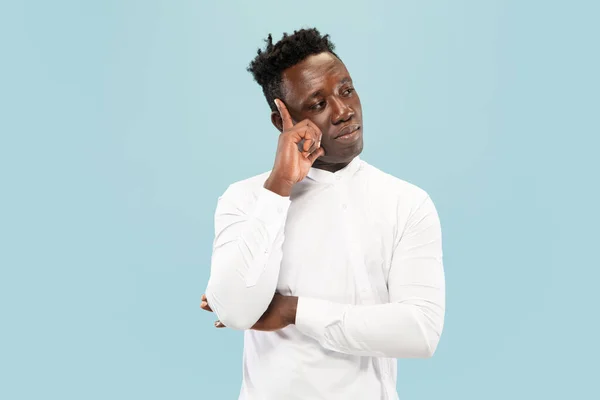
[304, 72]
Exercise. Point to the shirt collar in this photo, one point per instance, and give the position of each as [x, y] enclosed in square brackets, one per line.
[322, 176]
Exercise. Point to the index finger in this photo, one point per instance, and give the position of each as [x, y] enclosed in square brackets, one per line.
[286, 118]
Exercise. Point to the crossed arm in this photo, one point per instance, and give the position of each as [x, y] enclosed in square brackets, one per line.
[245, 269]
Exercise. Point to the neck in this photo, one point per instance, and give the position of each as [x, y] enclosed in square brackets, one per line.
[331, 167]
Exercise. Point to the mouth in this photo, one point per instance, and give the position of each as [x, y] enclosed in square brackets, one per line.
[347, 132]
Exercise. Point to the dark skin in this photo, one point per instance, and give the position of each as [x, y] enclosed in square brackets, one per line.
[318, 93]
[280, 313]
[320, 89]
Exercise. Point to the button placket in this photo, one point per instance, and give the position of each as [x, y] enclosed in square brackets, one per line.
[356, 256]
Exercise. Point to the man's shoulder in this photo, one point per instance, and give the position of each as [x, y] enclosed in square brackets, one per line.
[391, 184]
[247, 188]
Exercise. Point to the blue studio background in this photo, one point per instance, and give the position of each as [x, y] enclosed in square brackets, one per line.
[121, 123]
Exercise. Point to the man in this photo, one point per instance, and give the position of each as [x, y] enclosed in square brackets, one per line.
[332, 267]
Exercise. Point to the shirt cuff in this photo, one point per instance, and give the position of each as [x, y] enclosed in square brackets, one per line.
[313, 316]
[270, 207]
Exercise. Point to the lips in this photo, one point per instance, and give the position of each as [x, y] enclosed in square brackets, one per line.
[347, 129]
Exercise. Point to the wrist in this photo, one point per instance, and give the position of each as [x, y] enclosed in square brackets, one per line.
[290, 309]
[278, 186]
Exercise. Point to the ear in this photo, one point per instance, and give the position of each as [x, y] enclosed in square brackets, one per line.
[277, 121]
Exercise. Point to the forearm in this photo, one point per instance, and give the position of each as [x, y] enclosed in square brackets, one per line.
[397, 330]
[245, 262]
[411, 323]
[242, 284]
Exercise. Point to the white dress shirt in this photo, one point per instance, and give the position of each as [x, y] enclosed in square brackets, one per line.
[361, 249]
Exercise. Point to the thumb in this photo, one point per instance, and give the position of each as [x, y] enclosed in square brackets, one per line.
[316, 154]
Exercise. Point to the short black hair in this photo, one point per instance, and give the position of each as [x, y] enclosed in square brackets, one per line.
[268, 66]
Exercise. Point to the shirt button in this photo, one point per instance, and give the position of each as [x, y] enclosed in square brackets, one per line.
[279, 210]
[344, 207]
[266, 251]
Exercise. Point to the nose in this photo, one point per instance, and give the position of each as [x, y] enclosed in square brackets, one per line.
[341, 112]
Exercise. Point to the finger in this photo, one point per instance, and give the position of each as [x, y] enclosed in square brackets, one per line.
[204, 305]
[219, 324]
[204, 297]
[286, 118]
[316, 154]
[310, 143]
[315, 142]
[319, 134]
[306, 136]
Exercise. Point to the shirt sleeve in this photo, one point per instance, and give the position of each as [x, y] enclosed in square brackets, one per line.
[246, 255]
[410, 325]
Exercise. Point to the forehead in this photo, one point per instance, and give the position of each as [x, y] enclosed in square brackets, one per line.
[317, 72]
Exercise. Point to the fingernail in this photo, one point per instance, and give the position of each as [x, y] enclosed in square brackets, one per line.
[203, 304]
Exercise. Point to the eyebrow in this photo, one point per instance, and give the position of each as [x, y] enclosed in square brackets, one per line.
[344, 80]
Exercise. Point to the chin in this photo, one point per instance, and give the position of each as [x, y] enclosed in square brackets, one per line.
[340, 158]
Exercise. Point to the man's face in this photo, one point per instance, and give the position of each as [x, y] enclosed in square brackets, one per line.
[320, 89]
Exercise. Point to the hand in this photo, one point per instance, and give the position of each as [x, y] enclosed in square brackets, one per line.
[280, 313]
[292, 165]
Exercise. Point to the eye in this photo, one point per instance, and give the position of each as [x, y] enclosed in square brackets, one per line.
[318, 106]
[348, 91]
